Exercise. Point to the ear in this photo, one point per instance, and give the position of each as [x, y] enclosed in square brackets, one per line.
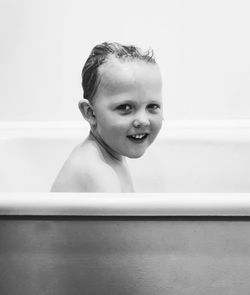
[87, 111]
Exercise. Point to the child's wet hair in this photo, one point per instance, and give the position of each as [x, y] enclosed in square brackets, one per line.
[99, 56]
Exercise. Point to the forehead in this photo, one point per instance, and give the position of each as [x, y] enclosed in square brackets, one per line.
[119, 75]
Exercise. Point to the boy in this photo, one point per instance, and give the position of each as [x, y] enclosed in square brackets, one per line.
[123, 105]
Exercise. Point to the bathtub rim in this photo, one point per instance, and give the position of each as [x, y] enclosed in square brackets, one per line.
[126, 204]
[184, 130]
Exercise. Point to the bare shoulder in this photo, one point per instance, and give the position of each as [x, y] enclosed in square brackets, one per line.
[84, 171]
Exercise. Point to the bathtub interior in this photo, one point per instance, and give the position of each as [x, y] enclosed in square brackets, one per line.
[183, 159]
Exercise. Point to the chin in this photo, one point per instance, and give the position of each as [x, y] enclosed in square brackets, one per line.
[135, 155]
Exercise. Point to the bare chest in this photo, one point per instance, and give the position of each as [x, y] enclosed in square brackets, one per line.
[124, 179]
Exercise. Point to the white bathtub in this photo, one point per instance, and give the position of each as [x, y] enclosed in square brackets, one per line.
[193, 238]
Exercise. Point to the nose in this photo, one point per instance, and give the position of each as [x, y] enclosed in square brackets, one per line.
[141, 120]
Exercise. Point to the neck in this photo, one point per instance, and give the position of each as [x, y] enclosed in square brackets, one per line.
[103, 145]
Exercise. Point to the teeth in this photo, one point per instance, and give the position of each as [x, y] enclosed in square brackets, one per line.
[138, 136]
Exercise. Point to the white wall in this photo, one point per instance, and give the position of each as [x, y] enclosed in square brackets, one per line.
[202, 47]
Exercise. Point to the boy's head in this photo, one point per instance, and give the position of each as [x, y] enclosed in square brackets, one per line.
[99, 55]
[122, 86]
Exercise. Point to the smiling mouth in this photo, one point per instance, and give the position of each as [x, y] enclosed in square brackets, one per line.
[138, 138]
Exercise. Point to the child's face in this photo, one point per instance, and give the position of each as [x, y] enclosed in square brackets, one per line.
[128, 106]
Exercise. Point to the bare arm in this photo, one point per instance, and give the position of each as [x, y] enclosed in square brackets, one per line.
[96, 179]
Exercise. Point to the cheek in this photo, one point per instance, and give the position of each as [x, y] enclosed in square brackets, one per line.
[157, 122]
[111, 124]
[117, 123]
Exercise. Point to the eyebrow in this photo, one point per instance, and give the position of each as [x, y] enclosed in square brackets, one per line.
[156, 101]
[122, 101]
[130, 101]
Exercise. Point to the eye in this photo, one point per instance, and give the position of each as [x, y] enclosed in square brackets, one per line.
[124, 108]
[153, 107]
